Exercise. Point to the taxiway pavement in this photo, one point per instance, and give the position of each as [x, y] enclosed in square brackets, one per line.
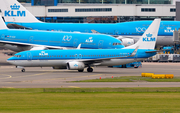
[37, 77]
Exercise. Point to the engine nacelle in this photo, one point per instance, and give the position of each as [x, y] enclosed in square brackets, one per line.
[17, 48]
[2, 44]
[75, 65]
[127, 41]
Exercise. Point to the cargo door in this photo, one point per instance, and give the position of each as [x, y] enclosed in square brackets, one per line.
[100, 45]
[29, 56]
[75, 43]
[2, 36]
[31, 39]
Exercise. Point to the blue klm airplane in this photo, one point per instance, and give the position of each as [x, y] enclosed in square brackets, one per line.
[20, 40]
[78, 59]
[128, 32]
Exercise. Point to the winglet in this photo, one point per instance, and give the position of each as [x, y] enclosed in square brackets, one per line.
[2, 24]
[79, 46]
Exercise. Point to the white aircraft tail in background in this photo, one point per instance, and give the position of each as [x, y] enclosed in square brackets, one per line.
[148, 39]
[13, 11]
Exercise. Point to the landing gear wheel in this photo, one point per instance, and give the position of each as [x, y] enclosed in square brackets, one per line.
[81, 70]
[23, 70]
[89, 69]
[135, 66]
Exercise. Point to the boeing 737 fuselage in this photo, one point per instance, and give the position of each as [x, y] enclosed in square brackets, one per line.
[129, 32]
[79, 59]
[20, 40]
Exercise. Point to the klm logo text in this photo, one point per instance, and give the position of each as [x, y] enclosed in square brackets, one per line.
[149, 38]
[15, 12]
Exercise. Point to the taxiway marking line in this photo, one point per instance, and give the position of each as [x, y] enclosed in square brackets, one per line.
[9, 76]
[74, 77]
[74, 86]
[66, 78]
[26, 75]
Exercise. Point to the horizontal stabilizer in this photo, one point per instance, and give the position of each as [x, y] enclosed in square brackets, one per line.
[152, 51]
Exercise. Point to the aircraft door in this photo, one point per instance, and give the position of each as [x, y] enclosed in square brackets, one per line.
[78, 56]
[2, 36]
[29, 56]
[31, 39]
[100, 45]
[75, 43]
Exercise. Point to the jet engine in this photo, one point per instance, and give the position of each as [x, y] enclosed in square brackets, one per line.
[75, 65]
[1, 44]
[17, 48]
[127, 41]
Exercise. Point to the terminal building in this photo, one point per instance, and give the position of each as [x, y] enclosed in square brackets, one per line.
[100, 11]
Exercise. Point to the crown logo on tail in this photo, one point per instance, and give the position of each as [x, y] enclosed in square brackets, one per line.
[149, 35]
[15, 7]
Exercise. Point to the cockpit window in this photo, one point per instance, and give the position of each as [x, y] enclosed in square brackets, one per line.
[17, 55]
[114, 44]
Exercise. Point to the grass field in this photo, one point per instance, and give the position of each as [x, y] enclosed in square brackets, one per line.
[90, 100]
[132, 79]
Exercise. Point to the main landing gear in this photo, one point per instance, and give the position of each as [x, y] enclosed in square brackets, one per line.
[81, 70]
[23, 70]
[89, 69]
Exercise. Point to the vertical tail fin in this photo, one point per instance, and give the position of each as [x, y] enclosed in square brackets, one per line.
[148, 39]
[13, 11]
[2, 24]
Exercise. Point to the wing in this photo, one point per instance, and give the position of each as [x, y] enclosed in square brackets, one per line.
[33, 45]
[99, 60]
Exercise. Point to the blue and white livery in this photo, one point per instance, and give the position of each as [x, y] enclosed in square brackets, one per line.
[20, 40]
[78, 59]
[127, 32]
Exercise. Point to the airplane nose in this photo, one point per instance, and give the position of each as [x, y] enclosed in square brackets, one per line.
[10, 60]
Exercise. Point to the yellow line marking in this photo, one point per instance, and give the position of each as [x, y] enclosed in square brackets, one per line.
[74, 86]
[65, 78]
[32, 75]
[7, 87]
[73, 77]
[9, 76]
